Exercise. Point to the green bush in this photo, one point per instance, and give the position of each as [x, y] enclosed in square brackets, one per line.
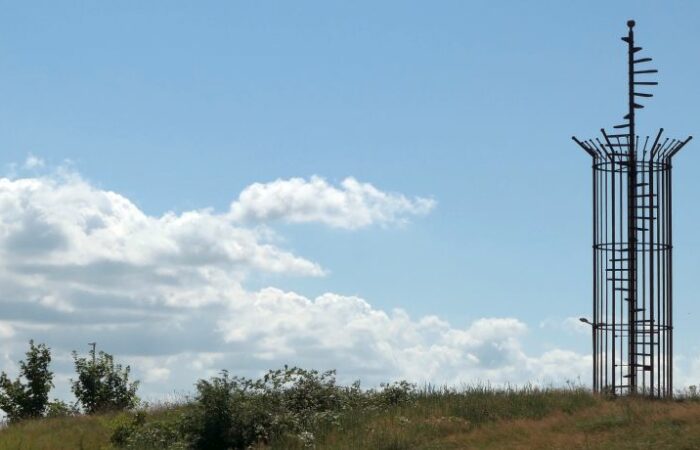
[223, 416]
[103, 385]
[398, 393]
[59, 408]
[236, 412]
[132, 432]
[24, 399]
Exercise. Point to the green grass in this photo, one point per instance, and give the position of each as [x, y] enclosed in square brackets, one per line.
[479, 418]
[72, 433]
[91, 432]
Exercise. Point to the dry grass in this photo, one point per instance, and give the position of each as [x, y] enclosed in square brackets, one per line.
[621, 424]
[595, 423]
[477, 419]
[68, 433]
[72, 433]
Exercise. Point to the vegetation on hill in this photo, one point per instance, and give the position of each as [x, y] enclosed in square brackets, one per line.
[293, 408]
[102, 385]
[28, 395]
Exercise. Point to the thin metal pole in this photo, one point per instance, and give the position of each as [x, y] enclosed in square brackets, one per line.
[646, 247]
[651, 275]
[621, 299]
[595, 276]
[658, 278]
[604, 288]
[669, 287]
[631, 220]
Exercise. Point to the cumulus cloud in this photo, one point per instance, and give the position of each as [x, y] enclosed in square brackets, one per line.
[351, 205]
[61, 231]
[168, 294]
[348, 332]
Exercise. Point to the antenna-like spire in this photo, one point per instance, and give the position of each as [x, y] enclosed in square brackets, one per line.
[634, 68]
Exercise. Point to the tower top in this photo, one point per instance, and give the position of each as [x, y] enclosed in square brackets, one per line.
[623, 142]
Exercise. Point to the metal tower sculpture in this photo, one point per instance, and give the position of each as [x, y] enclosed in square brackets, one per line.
[632, 260]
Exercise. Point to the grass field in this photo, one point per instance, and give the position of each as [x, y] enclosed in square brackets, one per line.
[475, 418]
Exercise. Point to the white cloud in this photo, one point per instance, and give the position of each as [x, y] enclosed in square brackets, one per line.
[352, 205]
[168, 293]
[347, 331]
[59, 231]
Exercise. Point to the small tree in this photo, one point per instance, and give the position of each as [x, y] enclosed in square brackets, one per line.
[29, 398]
[103, 385]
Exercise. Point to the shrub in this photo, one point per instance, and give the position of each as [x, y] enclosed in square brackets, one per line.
[223, 416]
[398, 393]
[157, 436]
[132, 432]
[124, 427]
[235, 412]
[59, 408]
[103, 385]
[24, 399]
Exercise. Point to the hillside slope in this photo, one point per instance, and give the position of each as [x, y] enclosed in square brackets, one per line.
[566, 420]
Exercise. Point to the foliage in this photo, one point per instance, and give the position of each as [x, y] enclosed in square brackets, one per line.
[59, 408]
[29, 398]
[222, 417]
[235, 412]
[103, 385]
[398, 393]
[124, 427]
[132, 432]
[426, 417]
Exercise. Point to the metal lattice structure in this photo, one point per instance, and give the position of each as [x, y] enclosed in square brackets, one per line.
[632, 248]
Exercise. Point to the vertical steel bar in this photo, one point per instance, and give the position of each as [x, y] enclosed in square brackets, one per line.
[606, 285]
[595, 277]
[658, 324]
[651, 275]
[621, 299]
[631, 220]
[644, 337]
[669, 287]
[615, 261]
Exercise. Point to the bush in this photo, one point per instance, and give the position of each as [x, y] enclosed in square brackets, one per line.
[103, 385]
[157, 436]
[214, 422]
[132, 432]
[288, 406]
[59, 408]
[398, 393]
[21, 400]
[124, 427]
[236, 413]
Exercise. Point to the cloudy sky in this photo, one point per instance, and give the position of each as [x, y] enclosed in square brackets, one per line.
[387, 189]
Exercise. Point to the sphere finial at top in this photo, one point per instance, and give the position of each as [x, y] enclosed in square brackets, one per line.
[630, 23]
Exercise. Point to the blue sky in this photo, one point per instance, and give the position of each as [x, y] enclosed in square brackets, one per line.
[179, 106]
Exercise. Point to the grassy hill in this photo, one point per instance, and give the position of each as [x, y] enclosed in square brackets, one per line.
[444, 419]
